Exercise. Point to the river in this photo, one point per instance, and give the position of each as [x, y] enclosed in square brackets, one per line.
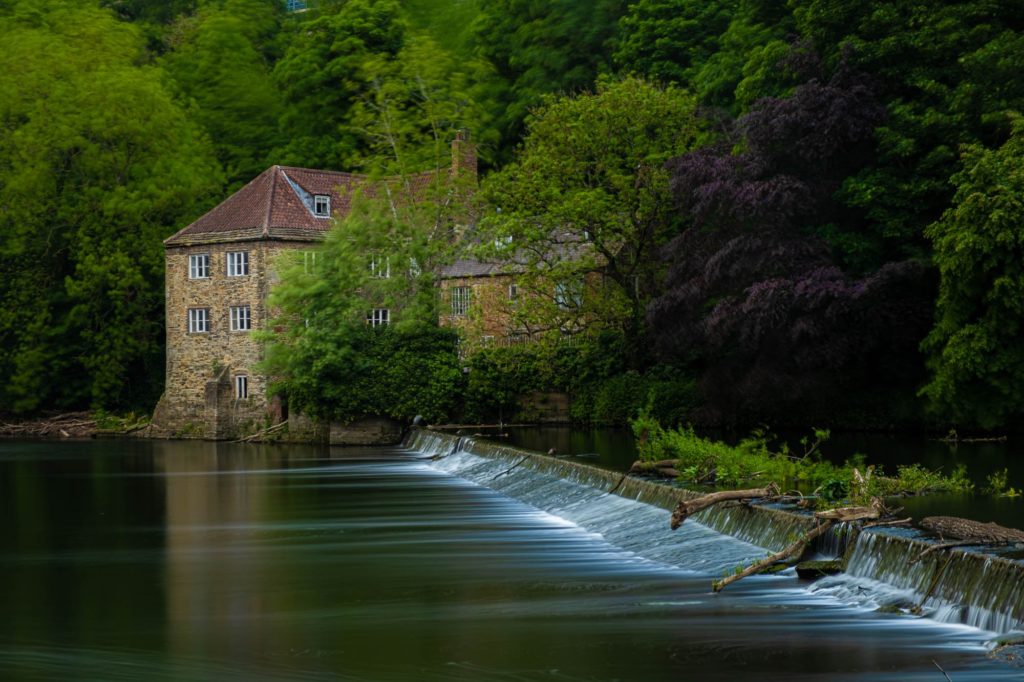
[172, 560]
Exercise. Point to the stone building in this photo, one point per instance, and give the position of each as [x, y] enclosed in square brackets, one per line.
[219, 271]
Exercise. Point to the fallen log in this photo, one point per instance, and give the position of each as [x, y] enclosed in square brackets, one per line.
[665, 468]
[687, 508]
[794, 550]
[957, 528]
[847, 514]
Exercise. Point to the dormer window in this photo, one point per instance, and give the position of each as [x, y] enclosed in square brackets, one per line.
[321, 206]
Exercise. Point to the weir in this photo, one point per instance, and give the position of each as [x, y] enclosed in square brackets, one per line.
[977, 589]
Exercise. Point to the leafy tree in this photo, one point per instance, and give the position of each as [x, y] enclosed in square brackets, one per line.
[753, 299]
[947, 73]
[413, 101]
[975, 353]
[322, 74]
[328, 360]
[668, 40]
[586, 203]
[219, 69]
[536, 49]
[97, 165]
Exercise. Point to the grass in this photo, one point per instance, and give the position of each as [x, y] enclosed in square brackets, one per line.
[752, 463]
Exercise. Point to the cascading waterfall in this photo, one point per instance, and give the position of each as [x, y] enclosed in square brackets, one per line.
[882, 569]
[885, 568]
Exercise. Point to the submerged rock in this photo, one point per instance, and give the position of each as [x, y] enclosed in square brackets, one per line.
[812, 570]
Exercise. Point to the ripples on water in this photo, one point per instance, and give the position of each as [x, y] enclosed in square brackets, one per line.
[202, 561]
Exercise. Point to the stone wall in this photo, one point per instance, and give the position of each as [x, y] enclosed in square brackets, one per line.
[489, 309]
[199, 399]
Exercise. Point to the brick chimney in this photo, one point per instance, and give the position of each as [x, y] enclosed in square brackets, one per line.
[463, 155]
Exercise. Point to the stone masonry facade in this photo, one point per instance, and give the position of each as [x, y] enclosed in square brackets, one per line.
[209, 347]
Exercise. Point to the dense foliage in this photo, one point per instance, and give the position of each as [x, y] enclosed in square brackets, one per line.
[827, 163]
[753, 462]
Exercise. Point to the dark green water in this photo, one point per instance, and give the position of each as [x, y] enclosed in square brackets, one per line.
[128, 560]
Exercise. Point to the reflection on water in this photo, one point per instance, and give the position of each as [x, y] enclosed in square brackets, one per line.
[203, 561]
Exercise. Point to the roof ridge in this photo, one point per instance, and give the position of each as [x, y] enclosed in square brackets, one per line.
[275, 169]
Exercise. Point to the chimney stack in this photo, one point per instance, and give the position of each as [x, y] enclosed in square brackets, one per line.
[463, 155]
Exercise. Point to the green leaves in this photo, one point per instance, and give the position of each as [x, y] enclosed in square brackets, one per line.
[97, 166]
[974, 351]
[587, 201]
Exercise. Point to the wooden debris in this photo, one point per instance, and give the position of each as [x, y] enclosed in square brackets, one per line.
[794, 550]
[261, 435]
[847, 514]
[69, 425]
[973, 531]
[665, 468]
[687, 508]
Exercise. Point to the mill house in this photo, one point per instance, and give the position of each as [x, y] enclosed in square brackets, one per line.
[219, 272]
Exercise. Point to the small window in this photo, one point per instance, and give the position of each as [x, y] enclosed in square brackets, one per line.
[513, 292]
[503, 241]
[241, 318]
[199, 266]
[241, 387]
[322, 205]
[238, 263]
[380, 267]
[309, 261]
[198, 320]
[378, 317]
[461, 297]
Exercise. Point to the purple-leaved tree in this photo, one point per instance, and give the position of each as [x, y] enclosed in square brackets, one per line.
[753, 298]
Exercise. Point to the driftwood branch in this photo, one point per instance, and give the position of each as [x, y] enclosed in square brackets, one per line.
[794, 550]
[687, 508]
[260, 435]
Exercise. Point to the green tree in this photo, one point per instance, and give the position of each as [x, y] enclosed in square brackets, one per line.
[667, 40]
[322, 74]
[586, 204]
[333, 356]
[220, 71]
[97, 165]
[540, 48]
[947, 73]
[975, 353]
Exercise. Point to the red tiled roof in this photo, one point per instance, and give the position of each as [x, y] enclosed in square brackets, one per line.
[278, 203]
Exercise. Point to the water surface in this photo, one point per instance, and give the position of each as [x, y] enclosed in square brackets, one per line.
[125, 560]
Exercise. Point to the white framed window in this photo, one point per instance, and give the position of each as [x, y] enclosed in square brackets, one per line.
[503, 241]
[513, 292]
[378, 317]
[321, 205]
[238, 263]
[241, 387]
[241, 318]
[461, 296]
[309, 261]
[380, 267]
[198, 320]
[199, 266]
